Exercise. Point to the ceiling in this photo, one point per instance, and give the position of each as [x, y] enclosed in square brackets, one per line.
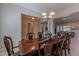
[55, 7]
[46, 7]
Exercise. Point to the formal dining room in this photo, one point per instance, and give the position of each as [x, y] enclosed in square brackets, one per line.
[39, 29]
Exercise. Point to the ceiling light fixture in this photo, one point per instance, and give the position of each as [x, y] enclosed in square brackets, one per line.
[44, 14]
[52, 13]
[49, 16]
[33, 18]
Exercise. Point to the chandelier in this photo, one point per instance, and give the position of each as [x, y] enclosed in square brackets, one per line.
[48, 15]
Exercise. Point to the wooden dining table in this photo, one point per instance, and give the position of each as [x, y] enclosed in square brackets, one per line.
[29, 46]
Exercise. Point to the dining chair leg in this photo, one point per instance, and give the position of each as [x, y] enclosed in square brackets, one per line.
[68, 50]
[61, 52]
[39, 53]
[65, 53]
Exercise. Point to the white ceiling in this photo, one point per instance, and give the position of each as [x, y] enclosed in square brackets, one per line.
[58, 8]
[46, 7]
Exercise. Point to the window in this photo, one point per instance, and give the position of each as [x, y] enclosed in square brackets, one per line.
[63, 28]
[66, 28]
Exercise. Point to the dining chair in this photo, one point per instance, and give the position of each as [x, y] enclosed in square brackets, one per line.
[47, 47]
[68, 38]
[27, 47]
[56, 50]
[9, 46]
[72, 34]
[66, 44]
[40, 36]
[30, 36]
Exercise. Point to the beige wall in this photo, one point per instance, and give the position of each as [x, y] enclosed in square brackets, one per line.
[35, 25]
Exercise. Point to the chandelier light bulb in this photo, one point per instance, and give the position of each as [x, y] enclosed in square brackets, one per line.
[49, 16]
[43, 14]
[33, 18]
[52, 13]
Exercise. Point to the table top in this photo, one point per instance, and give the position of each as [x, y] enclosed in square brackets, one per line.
[27, 46]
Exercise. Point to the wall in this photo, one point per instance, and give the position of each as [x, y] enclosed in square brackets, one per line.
[11, 21]
[73, 25]
[68, 12]
[34, 25]
[37, 27]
